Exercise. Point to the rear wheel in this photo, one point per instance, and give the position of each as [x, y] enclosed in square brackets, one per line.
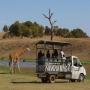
[52, 78]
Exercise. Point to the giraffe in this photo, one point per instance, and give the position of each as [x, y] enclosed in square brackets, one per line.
[14, 58]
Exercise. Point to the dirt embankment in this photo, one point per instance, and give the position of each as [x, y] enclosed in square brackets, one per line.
[80, 47]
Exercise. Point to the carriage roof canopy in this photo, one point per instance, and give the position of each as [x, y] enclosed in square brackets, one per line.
[53, 43]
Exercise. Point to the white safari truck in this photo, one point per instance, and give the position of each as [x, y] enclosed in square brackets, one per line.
[49, 67]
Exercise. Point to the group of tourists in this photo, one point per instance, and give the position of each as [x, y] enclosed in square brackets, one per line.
[54, 55]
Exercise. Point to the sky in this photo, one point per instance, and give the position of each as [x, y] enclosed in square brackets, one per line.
[67, 13]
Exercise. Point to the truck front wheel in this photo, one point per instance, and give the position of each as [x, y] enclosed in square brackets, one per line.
[81, 78]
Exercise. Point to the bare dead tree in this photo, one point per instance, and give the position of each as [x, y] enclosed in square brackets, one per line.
[49, 17]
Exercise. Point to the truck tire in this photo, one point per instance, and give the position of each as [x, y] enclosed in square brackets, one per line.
[81, 78]
[51, 78]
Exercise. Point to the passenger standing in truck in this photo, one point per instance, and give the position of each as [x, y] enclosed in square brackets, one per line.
[48, 55]
[62, 55]
[55, 55]
[40, 54]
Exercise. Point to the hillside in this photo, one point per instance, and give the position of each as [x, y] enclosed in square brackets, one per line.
[80, 47]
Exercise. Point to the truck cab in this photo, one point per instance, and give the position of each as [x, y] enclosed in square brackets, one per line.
[77, 69]
[50, 69]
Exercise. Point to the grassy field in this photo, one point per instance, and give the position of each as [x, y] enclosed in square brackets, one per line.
[29, 82]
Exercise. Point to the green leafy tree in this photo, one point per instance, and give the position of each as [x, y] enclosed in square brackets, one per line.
[40, 31]
[5, 28]
[26, 29]
[15, 29]
[47, 30]
[78, 33]
[25, 32]
[64, 32]
[28, 23]
[61, 32]
[33, 29]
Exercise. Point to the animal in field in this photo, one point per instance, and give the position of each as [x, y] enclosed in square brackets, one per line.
[15, 58]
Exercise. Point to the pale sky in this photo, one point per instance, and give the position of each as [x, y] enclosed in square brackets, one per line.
[68, 13]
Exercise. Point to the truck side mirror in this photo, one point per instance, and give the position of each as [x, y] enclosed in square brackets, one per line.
[80, 65]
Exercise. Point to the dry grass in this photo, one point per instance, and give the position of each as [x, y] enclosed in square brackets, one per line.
[87, 67]
[81, 47]
[1, 34]
[21, 82]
